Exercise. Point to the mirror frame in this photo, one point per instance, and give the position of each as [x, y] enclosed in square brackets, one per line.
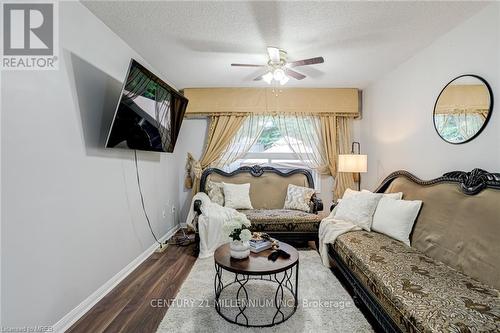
[490, 110]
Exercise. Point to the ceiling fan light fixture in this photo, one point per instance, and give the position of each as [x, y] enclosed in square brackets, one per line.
[279, 74]
[274, 54]
[284, 80]
[268, 77]
[279, 70]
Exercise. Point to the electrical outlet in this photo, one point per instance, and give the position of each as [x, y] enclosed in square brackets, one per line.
[161, 248]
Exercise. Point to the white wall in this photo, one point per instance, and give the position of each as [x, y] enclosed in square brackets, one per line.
[192, 139]
[71, 215]
[397, 128]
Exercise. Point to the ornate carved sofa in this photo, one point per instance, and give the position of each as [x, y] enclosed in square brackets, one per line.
[268, 188]
[449, 279]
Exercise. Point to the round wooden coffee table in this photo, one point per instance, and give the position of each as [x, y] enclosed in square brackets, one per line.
[257, 268]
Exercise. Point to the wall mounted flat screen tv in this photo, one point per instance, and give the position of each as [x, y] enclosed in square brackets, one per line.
[149, 114]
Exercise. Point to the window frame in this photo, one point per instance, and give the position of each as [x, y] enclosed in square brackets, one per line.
[283, 156]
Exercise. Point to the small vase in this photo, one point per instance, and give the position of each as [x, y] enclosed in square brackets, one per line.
[239, 249]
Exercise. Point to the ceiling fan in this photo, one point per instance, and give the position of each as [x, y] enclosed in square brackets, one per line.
[279, 69]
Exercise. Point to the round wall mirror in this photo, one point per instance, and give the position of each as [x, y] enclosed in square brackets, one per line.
[463, 109]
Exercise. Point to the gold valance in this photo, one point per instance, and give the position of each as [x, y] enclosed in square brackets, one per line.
[464, 98]
[338, 101]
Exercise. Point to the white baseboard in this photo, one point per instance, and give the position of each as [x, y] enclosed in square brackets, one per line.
[69, 319]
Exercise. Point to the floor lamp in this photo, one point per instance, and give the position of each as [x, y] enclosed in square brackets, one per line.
[354, 162]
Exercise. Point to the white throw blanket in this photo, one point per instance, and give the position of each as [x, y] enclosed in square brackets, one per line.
[210, 223]
[329, 230]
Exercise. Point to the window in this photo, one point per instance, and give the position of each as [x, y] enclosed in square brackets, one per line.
[272, 149]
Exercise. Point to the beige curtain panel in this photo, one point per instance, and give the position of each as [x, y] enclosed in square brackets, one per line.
[222, 130]
[245, 138]
[336, 139]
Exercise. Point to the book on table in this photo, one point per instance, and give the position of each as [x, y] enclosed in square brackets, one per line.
[257, 246]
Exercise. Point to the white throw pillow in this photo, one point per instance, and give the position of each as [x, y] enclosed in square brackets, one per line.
[237, 196]
[215, 192]
[298, 197]
[358, 209]
[349, 193]
[395, 218]
[396, 195]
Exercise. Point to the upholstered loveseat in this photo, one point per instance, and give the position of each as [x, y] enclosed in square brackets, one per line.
[268, 190]
[449, 279]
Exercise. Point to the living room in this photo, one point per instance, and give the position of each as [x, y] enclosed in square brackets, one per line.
[357, 138]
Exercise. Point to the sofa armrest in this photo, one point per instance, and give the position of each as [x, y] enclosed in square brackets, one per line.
[197, 206]
[316, 204]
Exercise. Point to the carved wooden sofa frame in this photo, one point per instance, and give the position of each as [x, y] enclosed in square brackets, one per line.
[471, 183]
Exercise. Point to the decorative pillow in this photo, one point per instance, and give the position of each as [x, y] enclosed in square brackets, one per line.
[298, 197]
[395, 195]
[349, 193]
[395, 218]
[358, 209]
[237, 196]
[215, 192]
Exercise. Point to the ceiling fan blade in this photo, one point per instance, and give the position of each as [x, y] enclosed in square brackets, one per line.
[247, 65]
[294, 74]
[274, 54]
[311, 61]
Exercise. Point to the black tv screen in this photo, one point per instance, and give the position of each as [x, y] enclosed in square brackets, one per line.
[149, 113]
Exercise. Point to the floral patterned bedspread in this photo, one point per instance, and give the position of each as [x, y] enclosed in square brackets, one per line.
[282, 220]
[420, 294]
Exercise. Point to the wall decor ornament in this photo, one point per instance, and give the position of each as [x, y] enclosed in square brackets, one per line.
[463, 108]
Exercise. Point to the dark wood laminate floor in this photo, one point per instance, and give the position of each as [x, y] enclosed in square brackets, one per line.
[127, 308]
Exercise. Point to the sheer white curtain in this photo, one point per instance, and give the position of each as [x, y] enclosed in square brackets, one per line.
[244, 139]
[459, 126]
[317, 140]
[303, 135]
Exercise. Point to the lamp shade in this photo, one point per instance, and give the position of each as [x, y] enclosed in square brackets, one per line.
[353, 163]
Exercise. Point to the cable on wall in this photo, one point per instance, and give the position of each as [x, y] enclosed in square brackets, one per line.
[142, 198]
